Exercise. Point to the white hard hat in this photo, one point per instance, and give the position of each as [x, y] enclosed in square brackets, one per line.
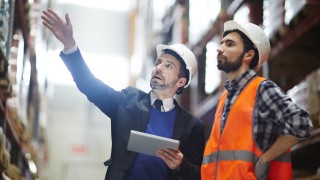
[187, 56]
[256, 34]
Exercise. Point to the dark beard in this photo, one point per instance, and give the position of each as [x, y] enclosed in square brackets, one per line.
[231, 66]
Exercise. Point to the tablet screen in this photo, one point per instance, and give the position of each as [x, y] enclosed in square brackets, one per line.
[148, 143]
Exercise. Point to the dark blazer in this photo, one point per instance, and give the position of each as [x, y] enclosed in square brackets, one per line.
[128, 110]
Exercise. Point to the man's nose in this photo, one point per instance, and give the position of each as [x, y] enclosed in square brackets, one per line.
[220, 49]
[159, 67]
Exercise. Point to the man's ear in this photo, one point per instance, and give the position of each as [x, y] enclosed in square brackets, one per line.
[248, 56]
[181, 82]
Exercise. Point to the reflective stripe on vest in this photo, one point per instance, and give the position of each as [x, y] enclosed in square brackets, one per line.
[240, 155]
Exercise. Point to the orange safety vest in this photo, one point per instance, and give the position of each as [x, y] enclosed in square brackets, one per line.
[232, 154]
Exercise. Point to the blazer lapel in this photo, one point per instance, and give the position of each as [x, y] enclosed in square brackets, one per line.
[179, 122]
[145, 111]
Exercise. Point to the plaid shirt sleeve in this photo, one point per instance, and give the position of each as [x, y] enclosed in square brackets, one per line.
[277, 114]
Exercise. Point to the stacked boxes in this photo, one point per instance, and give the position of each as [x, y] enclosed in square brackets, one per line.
[307, 95]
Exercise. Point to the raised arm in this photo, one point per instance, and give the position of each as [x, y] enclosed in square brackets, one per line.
[61, 29]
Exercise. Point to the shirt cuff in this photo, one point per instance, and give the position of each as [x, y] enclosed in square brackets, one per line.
[71, 50]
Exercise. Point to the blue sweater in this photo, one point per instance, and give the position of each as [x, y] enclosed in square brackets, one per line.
[148, 167]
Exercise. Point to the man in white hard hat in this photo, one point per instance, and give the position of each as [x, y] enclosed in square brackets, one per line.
[255, 123]
[156, 112]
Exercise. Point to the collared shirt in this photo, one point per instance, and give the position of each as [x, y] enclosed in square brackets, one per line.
[274, 114]
[167, 103]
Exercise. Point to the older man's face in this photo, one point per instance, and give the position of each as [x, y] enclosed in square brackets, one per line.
[165, 73]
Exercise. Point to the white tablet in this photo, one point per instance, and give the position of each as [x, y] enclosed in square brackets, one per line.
[148, 143]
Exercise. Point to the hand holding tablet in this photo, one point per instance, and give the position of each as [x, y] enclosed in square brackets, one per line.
[149, 144]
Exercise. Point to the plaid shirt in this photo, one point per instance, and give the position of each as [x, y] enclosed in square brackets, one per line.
[274, 113]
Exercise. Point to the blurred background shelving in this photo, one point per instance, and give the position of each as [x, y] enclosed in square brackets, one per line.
[50, 131]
